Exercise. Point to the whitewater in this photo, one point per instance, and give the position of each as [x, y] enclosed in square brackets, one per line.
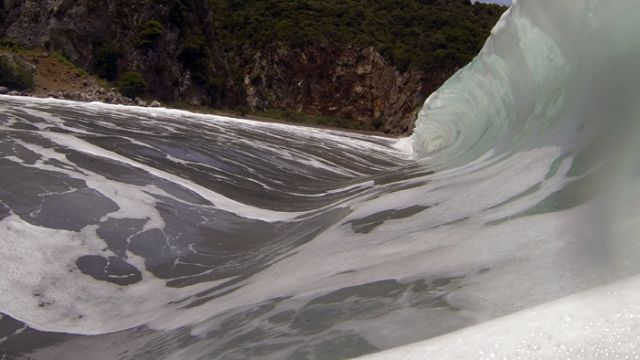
[138, 233]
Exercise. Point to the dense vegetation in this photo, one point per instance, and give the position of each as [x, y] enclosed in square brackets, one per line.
[423, 34]
[105, 57]
[132, 84]
[150, 33]
[13, 75]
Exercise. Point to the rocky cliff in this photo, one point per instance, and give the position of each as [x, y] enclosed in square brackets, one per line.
[180, 49]
[342, 82]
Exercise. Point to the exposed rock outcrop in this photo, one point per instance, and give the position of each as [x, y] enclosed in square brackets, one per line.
[346, 82]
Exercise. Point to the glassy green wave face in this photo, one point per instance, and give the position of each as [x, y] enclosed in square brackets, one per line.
[551, 72]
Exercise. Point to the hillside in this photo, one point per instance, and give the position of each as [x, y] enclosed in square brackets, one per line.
[347, 63]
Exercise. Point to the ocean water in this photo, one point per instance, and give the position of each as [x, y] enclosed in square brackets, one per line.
[137, 233]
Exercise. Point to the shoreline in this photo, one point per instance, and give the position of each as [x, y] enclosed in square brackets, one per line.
[212, 112]
[261, 118]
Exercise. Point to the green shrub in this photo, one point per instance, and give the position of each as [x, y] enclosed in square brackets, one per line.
[9, 44]
[178, 14]
[105, 60]
[150, 33]
[132, 84]
[194, 56]
[14, 76]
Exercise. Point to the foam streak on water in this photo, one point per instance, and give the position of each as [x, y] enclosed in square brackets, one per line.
[131, 233]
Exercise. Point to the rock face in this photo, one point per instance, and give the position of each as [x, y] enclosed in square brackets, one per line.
[332, 80]
[96, 94]
[344, 82]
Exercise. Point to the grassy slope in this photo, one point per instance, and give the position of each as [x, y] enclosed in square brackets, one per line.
[51, 72]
